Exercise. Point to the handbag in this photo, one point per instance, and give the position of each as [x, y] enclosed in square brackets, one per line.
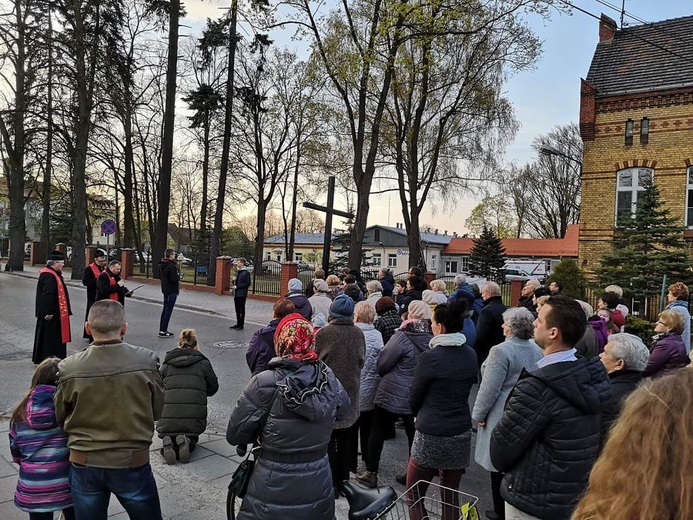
[241, 477]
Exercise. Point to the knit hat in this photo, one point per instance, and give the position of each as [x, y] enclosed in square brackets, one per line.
[99, 253]
[295, 285]
[294, 338]
[430, 297]
[56, 256]
[321, 286]
[342, 307]
[419, 310]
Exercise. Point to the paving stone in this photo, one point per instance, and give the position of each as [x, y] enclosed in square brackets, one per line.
[221, 447]
[8, 511]
[211, 467]
[8, 469]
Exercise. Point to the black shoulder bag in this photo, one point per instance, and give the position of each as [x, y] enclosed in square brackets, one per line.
[240, 478]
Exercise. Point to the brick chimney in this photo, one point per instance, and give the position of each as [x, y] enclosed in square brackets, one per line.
[607, 28]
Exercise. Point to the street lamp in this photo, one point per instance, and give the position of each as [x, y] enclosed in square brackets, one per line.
[549, 150]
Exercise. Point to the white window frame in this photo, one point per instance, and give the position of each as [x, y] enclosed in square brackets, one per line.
[464, 262]
[689, 197]
[449, 264]
[377, 259]
[298, 257]
[392, 260]
[623, 179]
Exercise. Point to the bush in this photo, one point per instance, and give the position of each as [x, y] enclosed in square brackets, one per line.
[569, 275]
[640, 327]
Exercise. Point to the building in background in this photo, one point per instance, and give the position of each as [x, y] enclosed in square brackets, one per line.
[636, 122]
[455, 256]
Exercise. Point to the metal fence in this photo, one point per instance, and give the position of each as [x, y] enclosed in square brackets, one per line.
[193, 272]
[266, 278]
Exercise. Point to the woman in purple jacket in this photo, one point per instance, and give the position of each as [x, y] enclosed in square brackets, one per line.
[668, 351]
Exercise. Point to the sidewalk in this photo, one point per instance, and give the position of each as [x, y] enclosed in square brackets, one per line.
[193, 491]
[257, 312]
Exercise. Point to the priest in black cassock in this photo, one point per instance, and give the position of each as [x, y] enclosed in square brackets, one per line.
[52, 311]
[91, 274]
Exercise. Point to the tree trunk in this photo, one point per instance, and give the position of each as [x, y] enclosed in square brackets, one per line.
[215, 247]
[205, 181]
[128, 207]
[161, 237]
[15, 153]
[261, 217]
[47, 176]
[79, 184]
[360, 222]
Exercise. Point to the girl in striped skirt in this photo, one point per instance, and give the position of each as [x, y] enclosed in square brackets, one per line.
[39, 446]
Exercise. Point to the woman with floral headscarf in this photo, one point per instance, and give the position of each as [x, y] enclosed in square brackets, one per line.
[292, 478]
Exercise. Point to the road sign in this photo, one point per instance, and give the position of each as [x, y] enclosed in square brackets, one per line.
[108, 227]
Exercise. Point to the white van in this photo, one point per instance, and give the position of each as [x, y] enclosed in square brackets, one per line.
[525, 270]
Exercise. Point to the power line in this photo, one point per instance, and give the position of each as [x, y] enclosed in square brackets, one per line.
[633, 33]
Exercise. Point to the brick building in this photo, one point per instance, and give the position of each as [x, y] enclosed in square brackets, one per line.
[636, 121]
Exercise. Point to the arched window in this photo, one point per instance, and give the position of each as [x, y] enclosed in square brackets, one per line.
[630, 183]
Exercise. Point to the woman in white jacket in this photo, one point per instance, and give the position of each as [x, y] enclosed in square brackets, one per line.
[364, 316]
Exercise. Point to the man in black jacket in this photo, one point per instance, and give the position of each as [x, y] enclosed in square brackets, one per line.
[170, 286]
[550, 433]
[240, 294]
[489, 328]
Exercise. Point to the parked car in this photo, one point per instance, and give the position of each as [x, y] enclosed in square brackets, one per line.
[518, 274]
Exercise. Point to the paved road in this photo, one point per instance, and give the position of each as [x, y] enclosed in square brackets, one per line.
[195, 491]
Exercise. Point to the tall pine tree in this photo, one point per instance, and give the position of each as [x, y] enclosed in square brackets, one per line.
[487, 256]
[646, 246]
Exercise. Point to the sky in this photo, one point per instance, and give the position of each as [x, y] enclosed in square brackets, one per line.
[544, 97]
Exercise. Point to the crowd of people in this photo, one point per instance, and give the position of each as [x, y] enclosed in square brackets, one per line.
[564, 397]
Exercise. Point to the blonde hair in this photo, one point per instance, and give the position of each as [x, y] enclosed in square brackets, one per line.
[187, 339]
[645, 468]
[364, 312]
[673, 320]
[333, 279]
[438, 285]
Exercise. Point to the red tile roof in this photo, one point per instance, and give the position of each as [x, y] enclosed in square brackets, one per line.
[550, 247]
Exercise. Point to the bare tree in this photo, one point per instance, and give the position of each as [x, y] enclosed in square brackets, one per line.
[552, 183]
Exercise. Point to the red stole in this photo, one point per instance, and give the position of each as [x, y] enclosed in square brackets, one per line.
[62, 306]
[95, 269]
[111, 282]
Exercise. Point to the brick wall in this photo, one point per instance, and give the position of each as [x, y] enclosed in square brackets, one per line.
[669, 151]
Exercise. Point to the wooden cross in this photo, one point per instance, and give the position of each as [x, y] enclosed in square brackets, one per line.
[330, 211]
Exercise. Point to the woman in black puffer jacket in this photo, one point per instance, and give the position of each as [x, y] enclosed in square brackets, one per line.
[439, 398]
[291, 479]
[188, 380]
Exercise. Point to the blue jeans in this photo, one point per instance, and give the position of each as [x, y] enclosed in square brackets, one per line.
[169, 303]
[135, 489]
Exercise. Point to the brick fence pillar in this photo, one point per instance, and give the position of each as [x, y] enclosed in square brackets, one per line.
[127, 257]
[428, 278]
[89, 254]
[222, 282]
[515, 291]
[289, 271]
[39, 254]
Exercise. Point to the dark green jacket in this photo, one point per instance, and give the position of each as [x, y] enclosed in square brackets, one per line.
[188, 380]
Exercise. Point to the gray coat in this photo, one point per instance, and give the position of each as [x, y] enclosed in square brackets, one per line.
[369, 373]
[396, 366]
[299, 426]
[500, 372]
[342, 346]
